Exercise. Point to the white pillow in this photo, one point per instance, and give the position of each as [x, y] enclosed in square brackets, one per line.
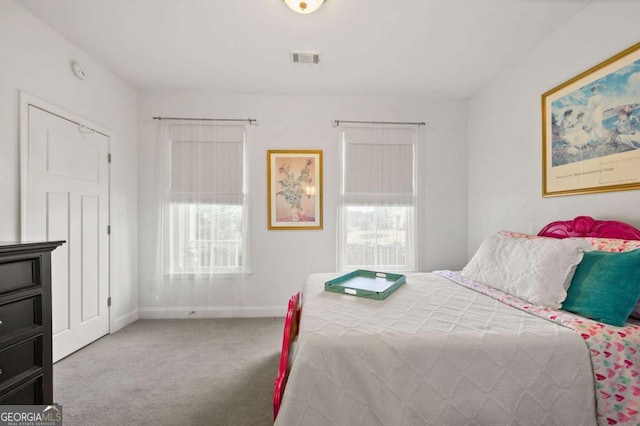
[534, 270]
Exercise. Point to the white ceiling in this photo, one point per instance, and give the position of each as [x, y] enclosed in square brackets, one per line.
[436, 48]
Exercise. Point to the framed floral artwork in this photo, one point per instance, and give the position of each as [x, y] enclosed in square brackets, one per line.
[591, 129]
[294, 179]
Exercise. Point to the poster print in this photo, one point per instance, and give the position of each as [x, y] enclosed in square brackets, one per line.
[295, 189]
[591, 129]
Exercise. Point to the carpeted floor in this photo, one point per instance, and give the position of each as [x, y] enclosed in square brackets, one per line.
[174, 372]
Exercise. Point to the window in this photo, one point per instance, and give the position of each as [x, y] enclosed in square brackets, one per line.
[205, 237]
[206, 202]
[378, 199]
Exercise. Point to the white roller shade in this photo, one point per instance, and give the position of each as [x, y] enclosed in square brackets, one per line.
[379, 166]
[207, 164]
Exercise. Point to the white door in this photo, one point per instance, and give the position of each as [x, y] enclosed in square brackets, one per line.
[67, 192]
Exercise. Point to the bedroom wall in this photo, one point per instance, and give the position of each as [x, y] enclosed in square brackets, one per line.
[281, 260]
[35, 59]
[505, 145]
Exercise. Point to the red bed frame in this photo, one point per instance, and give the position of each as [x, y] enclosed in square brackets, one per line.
[290, 335]
[581, 226]
[585, 226]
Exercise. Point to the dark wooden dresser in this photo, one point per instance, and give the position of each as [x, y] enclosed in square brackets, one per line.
[26, 373]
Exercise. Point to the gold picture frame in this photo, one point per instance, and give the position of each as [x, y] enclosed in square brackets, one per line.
[591, 129]
[294, 179]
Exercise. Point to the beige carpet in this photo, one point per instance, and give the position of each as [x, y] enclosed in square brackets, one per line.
[174, 372]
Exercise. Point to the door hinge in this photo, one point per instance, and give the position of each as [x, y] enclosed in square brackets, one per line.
[109, 158]
[108, 301]
[108, 229]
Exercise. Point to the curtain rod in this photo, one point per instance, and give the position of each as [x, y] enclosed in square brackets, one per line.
[336, 123]
[251, 121]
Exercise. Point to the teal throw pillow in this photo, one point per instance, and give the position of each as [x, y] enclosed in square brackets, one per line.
[605, 286]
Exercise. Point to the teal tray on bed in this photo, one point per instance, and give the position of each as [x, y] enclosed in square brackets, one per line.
[369, 284]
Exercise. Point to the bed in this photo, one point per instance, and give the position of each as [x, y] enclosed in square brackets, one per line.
[446, 349]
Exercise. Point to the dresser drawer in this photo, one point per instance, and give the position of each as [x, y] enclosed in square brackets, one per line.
[26, 375]
[20, 359]
[19, 273]
[29, 393]
[20, 316]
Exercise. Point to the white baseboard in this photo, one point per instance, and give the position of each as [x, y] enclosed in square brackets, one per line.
[124, 320]
[212, 312]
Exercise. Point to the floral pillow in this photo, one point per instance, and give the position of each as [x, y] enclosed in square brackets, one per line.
[599, 244]
[612, 244]
[512, 234]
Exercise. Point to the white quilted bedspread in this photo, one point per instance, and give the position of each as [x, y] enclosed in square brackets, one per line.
[433, 353]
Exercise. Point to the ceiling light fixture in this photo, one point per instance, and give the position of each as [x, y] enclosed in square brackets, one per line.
[304, 6]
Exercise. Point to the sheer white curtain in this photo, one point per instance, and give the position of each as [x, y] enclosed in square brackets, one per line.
[202, 200]
[378, 206]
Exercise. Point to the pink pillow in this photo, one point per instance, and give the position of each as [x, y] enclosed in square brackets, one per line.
[612, 245]
[512, 234]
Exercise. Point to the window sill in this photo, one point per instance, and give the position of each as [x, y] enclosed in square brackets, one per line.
[206, 276]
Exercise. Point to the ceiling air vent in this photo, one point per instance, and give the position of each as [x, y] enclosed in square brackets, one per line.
[305, 58]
